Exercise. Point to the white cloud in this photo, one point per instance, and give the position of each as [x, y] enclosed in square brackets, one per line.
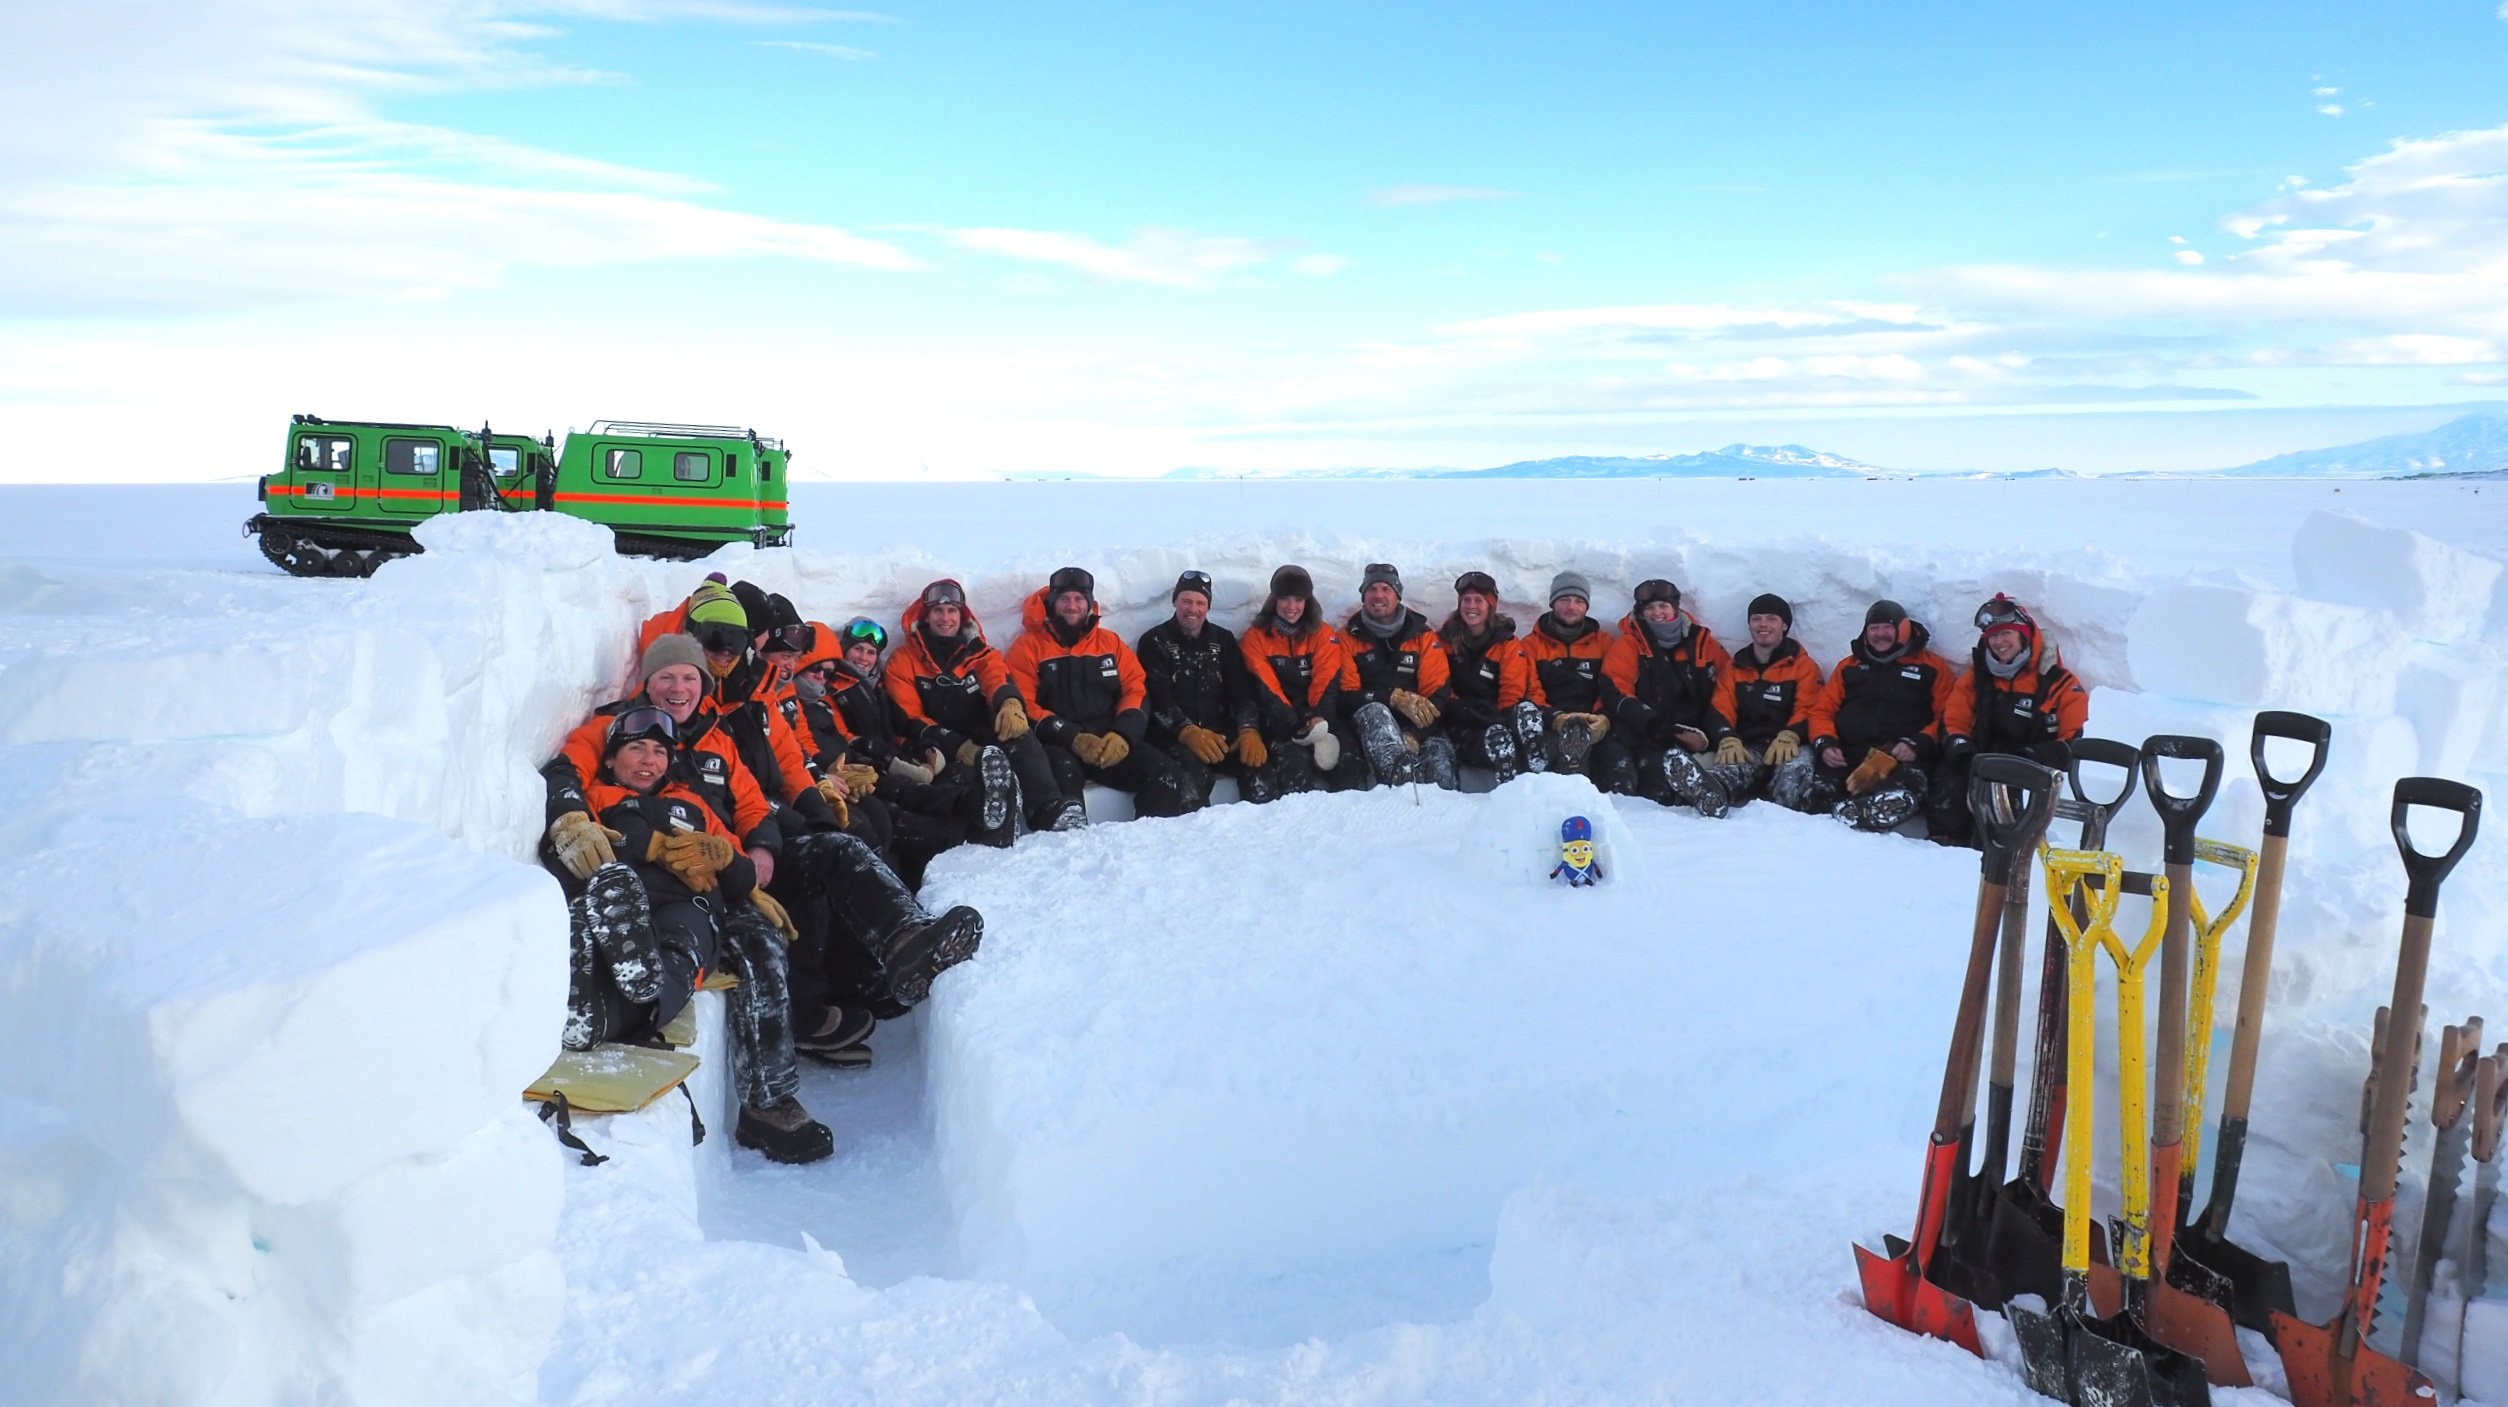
[1434, 195]
[812, 46]
[1172, 258]
[2188, 257]
[1318, 265]
[2324, 92]
[2331, 109]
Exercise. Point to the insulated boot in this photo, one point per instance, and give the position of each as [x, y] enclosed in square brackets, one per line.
[919, 952]
[1691, 784]
[1889, 809]
[620, 920]
[1381, 739]
[1530, 743]
[1259, 786]
[841, 1028]
[1576, 743]
[997, 798]
[784, 1132]
[1499, 745]
[1071, 817]
[1617, 773]
[1436, 762]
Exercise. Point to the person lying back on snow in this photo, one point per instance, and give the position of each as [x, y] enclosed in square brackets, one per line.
[681, 899]
[2017, 697]
[1088, 696]
[1659, 684]
[1395, 685]
[1876, 727]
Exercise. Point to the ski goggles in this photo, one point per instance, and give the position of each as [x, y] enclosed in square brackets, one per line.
[790, 639]
[721, 637]
[643, 723]
[944, 593]
[1481, 582]
[1655, 589]
[862, 630]
[2003, 613]
[1191, 581]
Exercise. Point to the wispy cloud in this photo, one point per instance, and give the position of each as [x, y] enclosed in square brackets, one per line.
[1170, 258]
[813, 46]
[1434, 195]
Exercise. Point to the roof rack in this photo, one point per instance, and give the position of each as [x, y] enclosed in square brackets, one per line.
[674, 429]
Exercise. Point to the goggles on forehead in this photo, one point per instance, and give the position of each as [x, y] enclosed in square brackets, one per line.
[944, 593]
[1194, 581]
[1656, 589]
[721, 637]
[1481, 582]
[641, 723]
[2004, 613]
[789, 639]
[862, 630]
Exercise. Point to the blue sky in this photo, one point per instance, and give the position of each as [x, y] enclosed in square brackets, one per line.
[968, 240]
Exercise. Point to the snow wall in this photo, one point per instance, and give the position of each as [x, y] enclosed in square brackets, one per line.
[276, 959]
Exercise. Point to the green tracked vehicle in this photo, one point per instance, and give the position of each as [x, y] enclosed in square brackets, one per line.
[351, 491]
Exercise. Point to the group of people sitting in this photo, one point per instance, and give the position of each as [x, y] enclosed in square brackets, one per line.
[766, 801]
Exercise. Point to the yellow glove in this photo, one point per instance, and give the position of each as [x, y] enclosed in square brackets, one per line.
[696, 857]
[1112, 749]
[859, 780]
[1732, 749]
[582, 843]
[833, 790]
[773, 913]
[1415, 707]
[1871, 772]
[1089, 748]
[1782, 748]
[967, 753]
[1204, 744]
[1250, 749]
[1010, 720]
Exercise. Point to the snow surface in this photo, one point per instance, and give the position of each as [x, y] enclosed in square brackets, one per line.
[1329, 1101]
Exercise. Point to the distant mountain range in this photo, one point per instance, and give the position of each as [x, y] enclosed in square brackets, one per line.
[1730, 462]
[2469, 446]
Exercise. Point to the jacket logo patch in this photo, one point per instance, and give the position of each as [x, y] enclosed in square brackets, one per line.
[682, 815]
[711, 764]
[1915, 672]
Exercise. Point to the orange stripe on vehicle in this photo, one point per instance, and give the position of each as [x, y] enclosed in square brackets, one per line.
[345, 493]
[668, 500]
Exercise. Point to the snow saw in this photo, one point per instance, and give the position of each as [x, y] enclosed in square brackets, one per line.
[2451, 1094]
[2070, 1350]
[2256, 1286]
[1899, 1286]
[2332, 1364]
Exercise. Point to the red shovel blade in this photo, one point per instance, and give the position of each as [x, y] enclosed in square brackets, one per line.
[2321, 1377]
[1896, 1290]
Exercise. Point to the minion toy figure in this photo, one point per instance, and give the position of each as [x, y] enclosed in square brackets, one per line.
[1577, 868]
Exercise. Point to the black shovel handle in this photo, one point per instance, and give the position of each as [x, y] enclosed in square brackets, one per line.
[2180, 814]
[2124, 757]
[2427, 872]
[2280, 796]
[2002, 841]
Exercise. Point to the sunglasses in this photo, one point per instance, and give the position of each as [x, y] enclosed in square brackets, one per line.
[721, 637]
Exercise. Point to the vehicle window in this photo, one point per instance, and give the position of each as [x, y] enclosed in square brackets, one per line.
[766, 470]
[325, 454]
[411, 456]
[689, 467]
[624, 464]
[503, 462]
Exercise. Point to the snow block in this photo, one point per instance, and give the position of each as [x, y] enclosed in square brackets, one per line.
[2225, 644]
[2439, 592]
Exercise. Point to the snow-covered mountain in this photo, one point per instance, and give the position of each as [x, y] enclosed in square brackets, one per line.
[1735, 461]
[2467, 445]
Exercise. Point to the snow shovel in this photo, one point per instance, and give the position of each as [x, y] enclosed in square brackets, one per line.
[2208, 928]
[1898, 1286]
[2257, 1286]
[2331, 1364]
[2470, 1240]
[2024, 1226]
[2459, 1052]
[2187, 1323]
[2070, 1352]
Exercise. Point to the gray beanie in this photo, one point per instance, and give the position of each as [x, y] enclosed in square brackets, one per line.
[1571, 584]
[670, 650]
[1381, 572]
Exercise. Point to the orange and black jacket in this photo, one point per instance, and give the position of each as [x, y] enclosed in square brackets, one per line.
[673, 806]
[1077, 680]
[1485, 673]
[1198, 682]
[1376, 665]
[704, 760]
[2036, 713]
[946, 690]
[854, 720]
[1297, 671]
[1763, 700]
[768, 745]
[1648, 690]
[1873, 703]
[1565, 674]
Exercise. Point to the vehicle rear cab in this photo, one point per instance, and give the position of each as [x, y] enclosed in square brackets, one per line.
[368, 474]
[676, 490]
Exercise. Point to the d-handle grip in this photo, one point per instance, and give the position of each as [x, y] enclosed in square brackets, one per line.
[2003, 839]
[2125, 757]
[2279, 795]
[2179, 814]
[2427, 872]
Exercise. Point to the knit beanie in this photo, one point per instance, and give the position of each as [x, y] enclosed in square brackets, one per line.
[1571, 584]
[714, 604]
[1768, 603]
[1381, 572]
[1885, 612]
[670, 650]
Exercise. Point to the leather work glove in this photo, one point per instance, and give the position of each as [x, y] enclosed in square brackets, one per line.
[773, 913]
[1596, 726]
[1410, 743]
[1089, 748]
[1732, 749]
[1112, 749]
[582, 843]
[694, 857]
[1010, 721]
[1206, 746]
[859, 780]
[832, 791]
[914, 772]
[967, 752]
[1250, 749]
[1871, 772]
[1782, 748]
[1416, 708]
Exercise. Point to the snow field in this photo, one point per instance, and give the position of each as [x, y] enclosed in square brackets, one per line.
[1329, 1134]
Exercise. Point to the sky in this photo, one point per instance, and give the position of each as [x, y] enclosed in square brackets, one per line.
[981, 239]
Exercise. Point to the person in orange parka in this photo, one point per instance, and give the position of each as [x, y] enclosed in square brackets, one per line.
[1088, 697]
[954, 695]
[1395, 683]
[1659, 684]
[1490, 721]
[1298, 663]
[1564, 652]
[1767, 696]
[684, 618]
[2017, 697]
[1876, 727]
